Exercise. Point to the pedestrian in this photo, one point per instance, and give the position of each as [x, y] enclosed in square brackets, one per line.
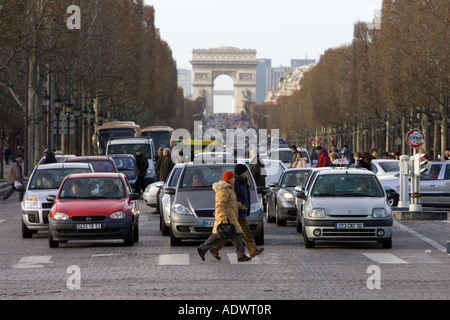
[347, 154]
[49, 157]
[226, 209]
[361, 162]
[257, 168]
[242, 190]
[374, 153]
[299, 162]
[166, 165]
[7, 155]
[323, 160]
[294, 154]
[333, 156]
[14, 179]
[447, 154]
[334, 148]
[159, 160]
[397, 155]
[140, 171]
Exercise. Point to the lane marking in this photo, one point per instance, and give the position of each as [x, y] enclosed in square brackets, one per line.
[33, 262]
[2, 220]
[106, 255]
[431, 242]
[384, 258]
[174, 259]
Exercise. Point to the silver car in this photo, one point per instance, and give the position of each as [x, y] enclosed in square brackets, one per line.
[193, 205]
[45, 180]
[345, 204]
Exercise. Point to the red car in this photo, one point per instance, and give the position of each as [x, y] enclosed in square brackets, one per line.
[92, 206]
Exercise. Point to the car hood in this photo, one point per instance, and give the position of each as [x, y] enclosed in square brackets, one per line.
[89, 207]
[348, 206]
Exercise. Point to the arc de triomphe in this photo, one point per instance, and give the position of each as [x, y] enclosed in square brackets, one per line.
[239, 64]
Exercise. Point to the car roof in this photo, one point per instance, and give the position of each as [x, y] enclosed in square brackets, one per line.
[343, 171]
[127, 155]
[96, 174]
[88, 158]
[59, 165]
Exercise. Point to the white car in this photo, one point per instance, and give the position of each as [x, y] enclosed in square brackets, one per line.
[345, 204]
[386, 168]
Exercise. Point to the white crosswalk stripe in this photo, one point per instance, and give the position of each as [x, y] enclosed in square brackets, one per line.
[386, 258]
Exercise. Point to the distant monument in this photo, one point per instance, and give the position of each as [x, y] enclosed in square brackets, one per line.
[240, 65]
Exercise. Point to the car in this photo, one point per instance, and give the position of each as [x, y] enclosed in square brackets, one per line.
[344, 204]
[125, 164]
[129, 146]
[285, 155]
[45, 179]
[192, 207]
[99, 163]
[386, 168]
[281, 196]
[92, 206]
[58, 157]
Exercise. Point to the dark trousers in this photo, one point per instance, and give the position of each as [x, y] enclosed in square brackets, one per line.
[213, 240]
[11, 191]
[139, 185]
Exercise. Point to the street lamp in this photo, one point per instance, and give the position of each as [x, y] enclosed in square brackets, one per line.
[68, 110]
[57, 110]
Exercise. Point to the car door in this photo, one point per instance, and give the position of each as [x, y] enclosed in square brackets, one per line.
[444, 185]
[429, 185]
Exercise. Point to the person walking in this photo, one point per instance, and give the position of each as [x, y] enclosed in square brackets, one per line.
[140, 171]
[166, 165]
[49, 157]
[226, 209]
[299, 162]
[159, 160]
[323, 160]
[242, 190]
[14, 178]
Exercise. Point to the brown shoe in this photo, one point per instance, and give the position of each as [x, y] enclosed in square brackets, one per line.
[201, 253]
[258, 251]
[215, 253]
[244, 259]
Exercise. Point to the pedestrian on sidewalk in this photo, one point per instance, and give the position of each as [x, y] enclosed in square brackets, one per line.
[14, 178]
[226, 209]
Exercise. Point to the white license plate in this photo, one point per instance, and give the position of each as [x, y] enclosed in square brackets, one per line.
[339, 225]
[208, 224]
[88, 226]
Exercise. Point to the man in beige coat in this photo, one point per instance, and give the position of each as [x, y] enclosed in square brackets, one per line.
[15, 176]
[226, 209]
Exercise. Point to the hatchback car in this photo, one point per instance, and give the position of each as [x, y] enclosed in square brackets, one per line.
[281, 196]
[345, 204]
[94, 206]
[44, 180]
[99, 163]
[193, 205]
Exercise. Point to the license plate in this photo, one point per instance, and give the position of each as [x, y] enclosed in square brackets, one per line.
[339, 225]
[88, 226]
[208, 224]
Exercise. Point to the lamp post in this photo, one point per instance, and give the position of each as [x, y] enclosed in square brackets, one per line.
[68, 111]
[57, 110]
[45, 106]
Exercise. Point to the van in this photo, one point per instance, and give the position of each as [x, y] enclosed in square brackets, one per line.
[129, 146]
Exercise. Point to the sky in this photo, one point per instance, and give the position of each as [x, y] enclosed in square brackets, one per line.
[279, 30]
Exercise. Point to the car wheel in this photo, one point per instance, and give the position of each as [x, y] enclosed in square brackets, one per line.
[51, 242]
[387, 244]
[136, 232]
[270, 219]
[129, 240]
[26, 233]
[308, 243]
[279, 222]
[173, 240]
[162, 226]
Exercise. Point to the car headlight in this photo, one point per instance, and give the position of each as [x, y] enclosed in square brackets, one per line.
[31, 202]
[117, 215]
[317, 213]
[255, 207]
[288, 196]
[60, 216]
[179, 209]
[380, 213]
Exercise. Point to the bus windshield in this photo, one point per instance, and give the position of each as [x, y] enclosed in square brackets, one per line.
[104, 135]
[161, 139]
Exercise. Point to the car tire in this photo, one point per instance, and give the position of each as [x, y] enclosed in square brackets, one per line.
[129, 240]
[26, 233]
[279, 222]
[136, 232]
[309, 244]
[298, 225]
[269, 219]
[51, 242]
[174, 241]
[387, 244]
[162, 226]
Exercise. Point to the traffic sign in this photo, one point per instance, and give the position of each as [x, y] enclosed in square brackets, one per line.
[415, 138]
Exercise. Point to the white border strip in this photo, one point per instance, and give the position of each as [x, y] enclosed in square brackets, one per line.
[421, 237]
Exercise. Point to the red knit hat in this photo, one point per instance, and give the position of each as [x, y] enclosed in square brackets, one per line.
[227, 175]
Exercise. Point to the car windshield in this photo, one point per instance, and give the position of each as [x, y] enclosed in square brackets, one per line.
[92, 188]
[293, 178]
[203, 176]
[124, 163]
[347, 186]
[52, 178]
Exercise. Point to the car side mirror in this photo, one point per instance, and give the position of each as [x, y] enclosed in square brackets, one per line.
[300, 193]
[169, 191]
[273, 185]
[51, 198]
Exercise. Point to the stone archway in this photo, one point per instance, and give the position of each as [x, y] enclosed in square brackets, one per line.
[239, 64]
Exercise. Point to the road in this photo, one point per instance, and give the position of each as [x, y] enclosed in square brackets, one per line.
[416, 268]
